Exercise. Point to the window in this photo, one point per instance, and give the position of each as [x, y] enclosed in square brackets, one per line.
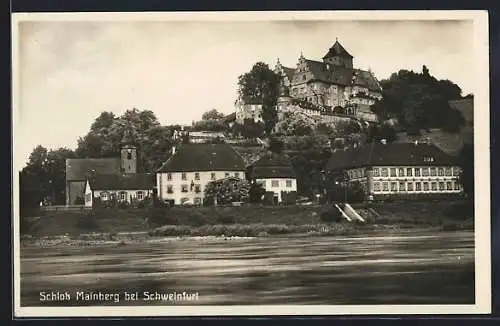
[275, 183]
[441, 172]
[236, 174]
[384, 172]
[402, 186]
[456, 171]
[449, 186]
[184, 176]
[376, 186]
[385, 186]
[169, 176]
[426, 186]
[288, 183]
[184, 188]
[409, 172]
[418, 186]
[304, 77]
[197, 201]
[425, 172]
[197, 188]
[140, 195]
[212, 176]
[441, 186]
[394, 186]
[184, 200]
[448, 172]
[456, 185]
[434, 186]
[170, 189]
[417, 172]
[376, 172]
[401, 172]
[410, 186]
[226, 174]
[129, 155]
[393, 172]
[433, 172]
[104, 195]
[197, 175]
[123, 196]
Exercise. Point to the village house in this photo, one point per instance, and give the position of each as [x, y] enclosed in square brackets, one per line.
[183, 177]
[276, 174]
[397, 169]
[128, 188]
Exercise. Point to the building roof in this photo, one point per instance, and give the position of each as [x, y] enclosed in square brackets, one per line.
[203, 157]
[272, 166]
[288, 72]
[465, 106]
[337, 50]
[342, 75]
[78, 168]
[389, 154]
[135, 181]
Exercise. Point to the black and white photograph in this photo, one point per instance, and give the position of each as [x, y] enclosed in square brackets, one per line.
[251, 163]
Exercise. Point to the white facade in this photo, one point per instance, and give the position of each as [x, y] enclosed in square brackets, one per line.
[277, 185]
[121, 195]
[410, 179]
[189, 187]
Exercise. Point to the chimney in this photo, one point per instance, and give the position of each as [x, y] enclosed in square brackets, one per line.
[383, 141]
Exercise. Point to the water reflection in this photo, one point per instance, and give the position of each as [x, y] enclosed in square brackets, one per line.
[406, 268]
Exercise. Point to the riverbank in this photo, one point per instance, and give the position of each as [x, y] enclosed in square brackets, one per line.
[245, 221]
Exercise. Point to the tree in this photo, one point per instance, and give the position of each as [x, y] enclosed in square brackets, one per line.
[276, 145]
[418, 100]
[252, 129]
[212, 115]
[261, 84]
[227, 190]
[256, 192]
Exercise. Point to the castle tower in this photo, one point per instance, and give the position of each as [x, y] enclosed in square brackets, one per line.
[129, 159]
[284, 98]
[338, 56]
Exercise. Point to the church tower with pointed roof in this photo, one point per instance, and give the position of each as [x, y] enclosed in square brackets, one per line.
[338, 56]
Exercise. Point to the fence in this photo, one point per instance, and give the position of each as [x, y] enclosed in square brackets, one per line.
[64, 208]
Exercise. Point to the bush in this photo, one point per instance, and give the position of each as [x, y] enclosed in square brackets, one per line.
[226, 219]
[332, 215]
[158, 216]
[87, 221]
[79, 200]
[123, 204]
[460, 211]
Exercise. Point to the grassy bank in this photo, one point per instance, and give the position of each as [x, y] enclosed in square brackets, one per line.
[250, 220]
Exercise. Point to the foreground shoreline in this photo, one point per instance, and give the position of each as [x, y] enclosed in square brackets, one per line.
[172, 233]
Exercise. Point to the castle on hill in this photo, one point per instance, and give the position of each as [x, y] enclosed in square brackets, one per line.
[328, 88]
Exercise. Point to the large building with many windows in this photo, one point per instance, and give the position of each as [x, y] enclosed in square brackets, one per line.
[182, 179]
[408, 169]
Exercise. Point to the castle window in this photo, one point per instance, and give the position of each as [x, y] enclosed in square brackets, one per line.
[384, 172]
[184, 176]
[184, 188]
[441, 186]
[376, 186]
[385, 186]
[289, 183]
[104, 195]
[456, 185]
[409, 172]
[275, 183]
[304, 77]
[197, 188]
[129, 155]
[417, 172]
[197, 176]
[393, 172]
[140, 195]
[434, 186]
[433, 172]
[170, 189]
[197, 201]
[441, 172]
[169, 176]
[376, 172]
[448, 172]
[418, 186]
[394, 186]
[123, 195]
[410, 186]
[449, 186]
[401, 172]
[456, 171]
[402, 186]
[425, 172]
[426, 186]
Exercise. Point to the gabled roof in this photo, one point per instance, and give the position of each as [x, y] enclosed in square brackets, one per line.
[203, 157]
[272, 166]
[389, 154]
[78, 168]
[337, 50]
[135, 181]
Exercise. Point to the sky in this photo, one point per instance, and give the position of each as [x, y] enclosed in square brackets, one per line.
[70, 71]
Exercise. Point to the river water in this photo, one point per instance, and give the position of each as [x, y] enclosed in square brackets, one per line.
[410, 267]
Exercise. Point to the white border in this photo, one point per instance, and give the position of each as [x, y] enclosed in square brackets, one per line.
[482, 167]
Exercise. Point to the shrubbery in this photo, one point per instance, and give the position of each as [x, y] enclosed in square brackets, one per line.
[87, 221]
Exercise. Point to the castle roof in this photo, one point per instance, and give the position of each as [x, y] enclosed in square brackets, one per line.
[135, 181]
[203, 157]
[77, 169]
[392, 154]
[341, 75]
[337, 50]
